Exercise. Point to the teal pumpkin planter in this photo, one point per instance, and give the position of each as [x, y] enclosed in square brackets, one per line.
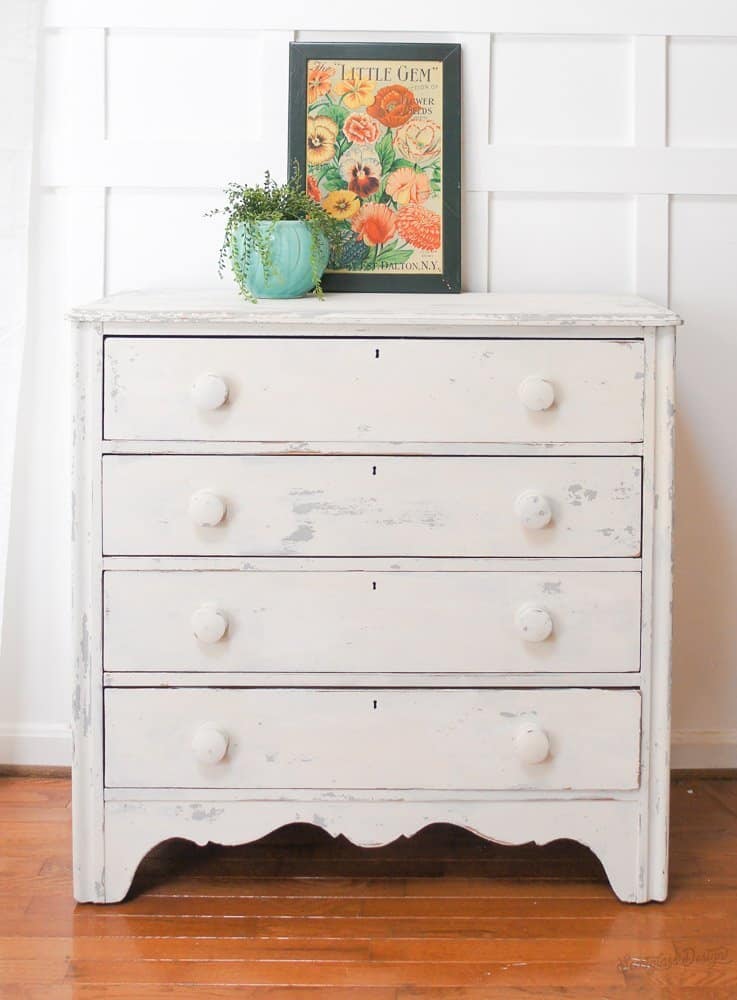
[291, 273]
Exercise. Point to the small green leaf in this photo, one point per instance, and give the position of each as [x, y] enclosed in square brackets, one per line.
[342, 146]
[385, 152]
[435, 177]
[392, 254]
[332, 179]
[335, 111]
[399, 162]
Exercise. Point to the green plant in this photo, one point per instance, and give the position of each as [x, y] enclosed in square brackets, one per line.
[248, 206]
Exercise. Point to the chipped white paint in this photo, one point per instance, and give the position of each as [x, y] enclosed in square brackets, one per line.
[610, 828]
[455, 740]
[372, 620]
[414, 610]
[348, 506]
[348, 310]
[358, 390]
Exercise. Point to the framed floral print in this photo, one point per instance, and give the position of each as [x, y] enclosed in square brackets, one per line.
[375, 129]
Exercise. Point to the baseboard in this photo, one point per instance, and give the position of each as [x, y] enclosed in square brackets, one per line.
[51, 745]
[36, 744]
[703, 749]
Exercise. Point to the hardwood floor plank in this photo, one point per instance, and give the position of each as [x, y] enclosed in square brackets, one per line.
[441, 916]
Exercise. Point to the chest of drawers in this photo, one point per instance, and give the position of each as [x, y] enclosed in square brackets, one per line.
[372, 563]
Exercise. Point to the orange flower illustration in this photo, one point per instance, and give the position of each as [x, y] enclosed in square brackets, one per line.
[419, 226]
[321, 135]
[375, 223]
[312, 189]
[361, 129]
[362, 173]
[393, 105]
[418, 140]
[406, 185]
[318, 82]
[355, 93]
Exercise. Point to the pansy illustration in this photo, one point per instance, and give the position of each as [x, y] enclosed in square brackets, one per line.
[362, 171]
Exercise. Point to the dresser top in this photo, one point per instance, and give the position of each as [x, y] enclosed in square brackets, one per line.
[348, 308]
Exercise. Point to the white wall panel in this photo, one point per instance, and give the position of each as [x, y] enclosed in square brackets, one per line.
[702, 92]
[565, 243]
[148, 109]
[561, 89]
[703, 273]
[36, 665]
[183, 85]
[161, 239]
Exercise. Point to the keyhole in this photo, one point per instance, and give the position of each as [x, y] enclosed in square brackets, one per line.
[373, 585]
[374, 703]
[373, 471]
[377, 353]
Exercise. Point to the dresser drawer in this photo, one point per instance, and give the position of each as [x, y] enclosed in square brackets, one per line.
[310, 739]
[312, 389]
[345, 622]
[387, 506]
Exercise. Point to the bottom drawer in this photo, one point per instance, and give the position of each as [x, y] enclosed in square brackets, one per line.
[371, 739]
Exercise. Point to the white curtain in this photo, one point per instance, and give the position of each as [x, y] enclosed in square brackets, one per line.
[19, 36]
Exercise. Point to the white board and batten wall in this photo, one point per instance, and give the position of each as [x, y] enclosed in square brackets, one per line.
[600, 154]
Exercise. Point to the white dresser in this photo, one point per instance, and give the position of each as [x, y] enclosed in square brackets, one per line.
[373, 563]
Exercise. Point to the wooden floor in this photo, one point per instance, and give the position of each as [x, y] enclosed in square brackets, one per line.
[298, 914]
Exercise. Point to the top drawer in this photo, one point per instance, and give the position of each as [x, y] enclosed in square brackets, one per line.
[352, 390]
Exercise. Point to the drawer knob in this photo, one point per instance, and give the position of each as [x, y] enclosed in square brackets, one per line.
[209, 743]
[531, 743]
[206, 508]
[209, 391]
[209, 624]
[533, 509]
[536, 393]
[534, 624]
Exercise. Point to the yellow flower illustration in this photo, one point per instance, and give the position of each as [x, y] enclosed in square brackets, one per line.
[341, 204]
[355, 93]
[321, 135]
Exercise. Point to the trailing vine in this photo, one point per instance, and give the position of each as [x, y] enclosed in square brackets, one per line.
[251, 217]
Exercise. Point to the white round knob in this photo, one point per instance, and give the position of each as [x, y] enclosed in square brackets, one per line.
[533, 509]
[533, 623]
[209, 743]
[531, 743]
[536, 393]
[206, 508]
[209, 392]
[209, 624]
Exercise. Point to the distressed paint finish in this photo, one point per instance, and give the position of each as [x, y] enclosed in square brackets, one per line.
[609, 828]
[347, 622]
[276, 390]
[338, 740]
[456, 551]
[87, 722]
[347, 311]
[348, 506]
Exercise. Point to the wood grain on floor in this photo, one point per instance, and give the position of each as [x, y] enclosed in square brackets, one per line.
[442, 916]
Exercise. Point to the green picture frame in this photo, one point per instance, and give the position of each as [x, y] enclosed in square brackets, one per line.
[384, 124]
